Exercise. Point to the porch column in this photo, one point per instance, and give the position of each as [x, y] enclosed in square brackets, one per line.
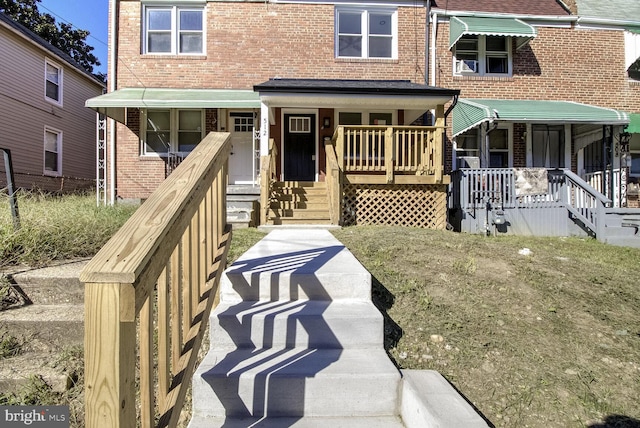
[264, 129]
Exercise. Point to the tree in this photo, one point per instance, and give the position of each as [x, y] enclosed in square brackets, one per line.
[63, 36]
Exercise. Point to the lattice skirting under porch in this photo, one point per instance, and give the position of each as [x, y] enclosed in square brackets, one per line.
[400, 205]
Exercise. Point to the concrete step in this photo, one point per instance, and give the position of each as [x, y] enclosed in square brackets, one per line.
[292, 264]
[17, 372]
[428, 400]
[305, 422]
[288, 324]
[58, 325]
[296, 382]
[55, 284]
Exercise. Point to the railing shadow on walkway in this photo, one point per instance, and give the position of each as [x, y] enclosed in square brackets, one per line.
[278, 367]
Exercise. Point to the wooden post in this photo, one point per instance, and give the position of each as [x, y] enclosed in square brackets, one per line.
[110, 361]
[389, 146]
[438, 151]
[339, 144]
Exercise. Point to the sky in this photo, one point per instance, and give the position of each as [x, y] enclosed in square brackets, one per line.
[90, 15]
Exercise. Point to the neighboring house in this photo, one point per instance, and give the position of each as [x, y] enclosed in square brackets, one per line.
[295, 71]
[43, 121]
[539, 85]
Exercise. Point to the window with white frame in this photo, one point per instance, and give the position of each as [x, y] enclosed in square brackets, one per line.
[174, 30]
[366, 33]
[53, 82]
[52, 152]
[171, 131]
[482, 55]
[548, 146]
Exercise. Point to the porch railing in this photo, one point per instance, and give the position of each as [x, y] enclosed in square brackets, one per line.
[600, 181]
[402, 154]
[149, 291]
[334, 185]
[477, 188]
[267, 178]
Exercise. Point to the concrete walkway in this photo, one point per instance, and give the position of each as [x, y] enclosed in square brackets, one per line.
[296, 341]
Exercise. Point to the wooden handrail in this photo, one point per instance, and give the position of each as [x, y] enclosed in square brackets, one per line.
[334, 185]
[267, 177]
[156, 277]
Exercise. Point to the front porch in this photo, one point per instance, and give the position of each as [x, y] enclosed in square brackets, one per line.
[375, 174]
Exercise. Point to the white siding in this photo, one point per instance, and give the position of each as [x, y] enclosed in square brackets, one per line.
[24, 111]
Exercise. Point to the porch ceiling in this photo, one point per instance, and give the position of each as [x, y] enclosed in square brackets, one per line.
[470, 113]
[363, 94]
[114, 103]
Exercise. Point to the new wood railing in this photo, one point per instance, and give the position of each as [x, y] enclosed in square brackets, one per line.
[391, 154]
[334, 185]
[149, 291]
[267, 178]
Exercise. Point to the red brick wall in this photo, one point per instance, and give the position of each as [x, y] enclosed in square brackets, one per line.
[250, 42]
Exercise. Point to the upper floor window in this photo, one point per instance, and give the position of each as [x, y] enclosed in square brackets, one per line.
[172, 131]
[482, 55]
[53, 82]
[52, 152]
[366, 33]
[174, 30]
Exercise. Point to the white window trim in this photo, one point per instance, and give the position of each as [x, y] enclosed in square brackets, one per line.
[175, 31]
[365, 12]
[173, 131]
[58, 172]
[482, 60]
[48, 62]
[634, 152]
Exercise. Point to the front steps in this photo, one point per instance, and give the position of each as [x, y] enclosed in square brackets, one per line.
[296, 341]
[298, 203]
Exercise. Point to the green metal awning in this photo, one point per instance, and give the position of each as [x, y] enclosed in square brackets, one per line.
[472, 25]
[470, 113]
[634, 124]
[114, 103]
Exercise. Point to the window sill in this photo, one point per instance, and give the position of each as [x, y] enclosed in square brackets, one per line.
[175, 56]
[488, 78]
[52, 174]
[370, 60]
[633, 82]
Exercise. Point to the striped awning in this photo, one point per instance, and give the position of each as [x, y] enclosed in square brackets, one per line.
[472, 25]
[470, 113]
[634, 124]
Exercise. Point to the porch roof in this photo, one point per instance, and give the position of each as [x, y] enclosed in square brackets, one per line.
[470, 113]
[414, 98]
[474, 25]
[634, 124]
[114, 103]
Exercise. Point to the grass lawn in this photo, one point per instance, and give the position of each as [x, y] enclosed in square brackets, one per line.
[548, 339]
[535, 332]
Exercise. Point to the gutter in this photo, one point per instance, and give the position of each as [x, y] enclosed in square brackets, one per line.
[112, 87]
[453, 104]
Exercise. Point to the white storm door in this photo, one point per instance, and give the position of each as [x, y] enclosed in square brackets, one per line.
[241, 162]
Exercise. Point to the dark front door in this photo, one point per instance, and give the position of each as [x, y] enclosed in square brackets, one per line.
[299, 147]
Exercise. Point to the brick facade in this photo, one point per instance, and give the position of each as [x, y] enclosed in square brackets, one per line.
[248, 43]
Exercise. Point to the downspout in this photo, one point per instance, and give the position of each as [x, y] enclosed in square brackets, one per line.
[426, 43]
[111, 76]
[434, 29]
